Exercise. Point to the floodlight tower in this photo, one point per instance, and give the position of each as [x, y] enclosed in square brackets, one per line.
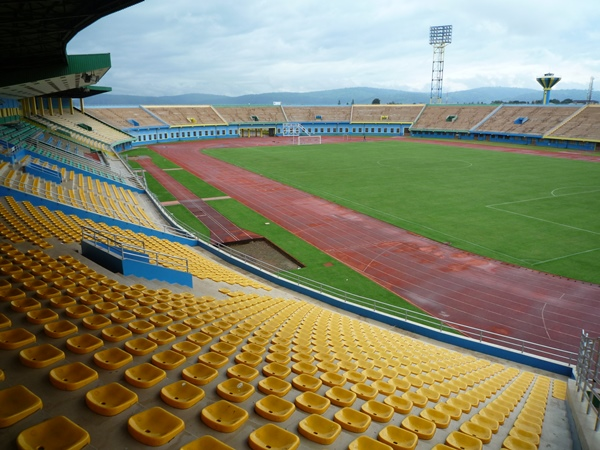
[439, 37]
[548, 81]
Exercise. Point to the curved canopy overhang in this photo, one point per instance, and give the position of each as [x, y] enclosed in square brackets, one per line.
[33, 41]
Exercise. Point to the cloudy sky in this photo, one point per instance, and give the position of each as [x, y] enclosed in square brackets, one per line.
[233, 47]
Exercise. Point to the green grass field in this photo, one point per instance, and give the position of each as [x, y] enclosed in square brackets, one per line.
[319, 266]
[532, 211]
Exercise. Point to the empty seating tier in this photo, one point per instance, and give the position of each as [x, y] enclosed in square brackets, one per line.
[249, 369]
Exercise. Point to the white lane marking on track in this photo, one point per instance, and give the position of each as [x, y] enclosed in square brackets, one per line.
[544, 320]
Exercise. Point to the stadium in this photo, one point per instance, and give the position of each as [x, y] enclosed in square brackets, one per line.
[280, 277]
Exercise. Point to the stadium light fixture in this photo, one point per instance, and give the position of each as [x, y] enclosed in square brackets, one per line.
[439, 37]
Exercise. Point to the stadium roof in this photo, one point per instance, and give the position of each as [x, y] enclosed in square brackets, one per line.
[33, 42]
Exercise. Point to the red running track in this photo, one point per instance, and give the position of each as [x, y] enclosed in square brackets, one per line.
[221, 229]
[448, 283]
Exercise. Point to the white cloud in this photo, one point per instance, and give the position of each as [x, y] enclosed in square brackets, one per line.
[229, 47]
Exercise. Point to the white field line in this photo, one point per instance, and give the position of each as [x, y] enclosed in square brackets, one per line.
[565, 256]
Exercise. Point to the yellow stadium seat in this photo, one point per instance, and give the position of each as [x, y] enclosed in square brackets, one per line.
[140, 346]
[304, 382]
[311, 402]
[274, 408]
[525, 435]
[84, 343]
[274, 386]
[56, 432]
[41, 356]
[235, 390]
[513, 443]
[223, 416]
[352, 420]
[319, 429]
[364, 391]
[110, 399]
[398, 438]
[379, 412]
[116, 333]
[213, 359]
[72, 376]
[199, 374]
[154, 426]
[459, 440]
[144, 375]
[181, 394]
[271, 437]
[441, 419]
[206, 442]
[367, 443]
[168, 359]
[423, 428]
[16, 403]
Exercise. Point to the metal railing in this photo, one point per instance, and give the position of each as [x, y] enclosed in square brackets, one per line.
[587, 378]
[128, 248]
[568, 357]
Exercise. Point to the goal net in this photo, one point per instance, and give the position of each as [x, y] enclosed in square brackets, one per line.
[307, 140]
[300, 135]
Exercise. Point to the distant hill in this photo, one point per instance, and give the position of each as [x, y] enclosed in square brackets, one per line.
[344, 96]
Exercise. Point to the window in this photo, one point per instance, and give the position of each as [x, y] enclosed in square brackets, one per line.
[372, 130]
[329, 130]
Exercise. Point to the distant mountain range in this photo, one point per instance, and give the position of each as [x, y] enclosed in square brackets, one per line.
[345, 96]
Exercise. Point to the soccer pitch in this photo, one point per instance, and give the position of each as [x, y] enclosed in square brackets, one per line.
[532, 211]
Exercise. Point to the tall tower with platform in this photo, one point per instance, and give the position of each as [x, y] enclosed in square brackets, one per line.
[548, 81]
[439, 38]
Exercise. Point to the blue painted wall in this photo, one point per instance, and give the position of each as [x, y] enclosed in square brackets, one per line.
[136, 267]
[147, 135]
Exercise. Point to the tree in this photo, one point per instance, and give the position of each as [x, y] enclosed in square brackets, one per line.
[376, 101]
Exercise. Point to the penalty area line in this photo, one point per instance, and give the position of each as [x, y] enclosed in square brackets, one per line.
[542, 220]
[565, 256]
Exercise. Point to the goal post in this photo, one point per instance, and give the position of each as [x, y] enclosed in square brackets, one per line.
[307, 139]
[300, 135]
